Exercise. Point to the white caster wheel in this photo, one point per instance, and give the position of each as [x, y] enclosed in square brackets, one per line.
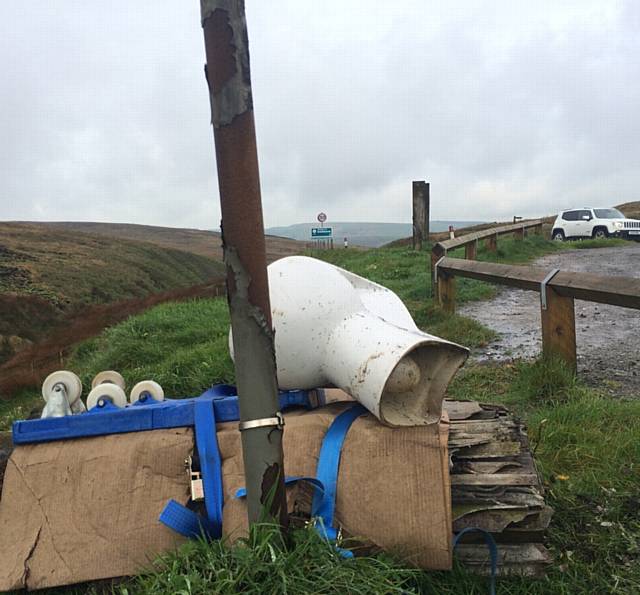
[104, 393]
[146, 388]
[109, 376]
[72, 385]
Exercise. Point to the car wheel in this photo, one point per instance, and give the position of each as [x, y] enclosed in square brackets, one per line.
[600, 234]
[558, 235]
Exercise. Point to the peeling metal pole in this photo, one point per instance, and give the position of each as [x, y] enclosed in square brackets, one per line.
[229, 82]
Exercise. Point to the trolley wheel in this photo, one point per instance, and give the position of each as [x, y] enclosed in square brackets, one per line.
[109, 376]
[106, 392]
[70, 381]
[147, 387]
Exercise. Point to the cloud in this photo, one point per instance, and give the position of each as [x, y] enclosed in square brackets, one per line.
[506, 108]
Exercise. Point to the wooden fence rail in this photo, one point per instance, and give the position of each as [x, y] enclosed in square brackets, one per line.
[558, 290]
[490, 236]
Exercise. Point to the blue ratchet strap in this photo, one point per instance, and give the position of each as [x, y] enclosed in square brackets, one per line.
[493, 552]
[180, 518]
[324, 504]
[210, 464]
[186, 522]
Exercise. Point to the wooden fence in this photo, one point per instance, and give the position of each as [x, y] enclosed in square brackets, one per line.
[490, 236]
[557, 290]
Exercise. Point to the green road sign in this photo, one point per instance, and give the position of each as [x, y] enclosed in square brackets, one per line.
[321, 232]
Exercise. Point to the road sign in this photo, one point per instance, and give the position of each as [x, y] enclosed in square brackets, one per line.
[321, 232]
[322, 217]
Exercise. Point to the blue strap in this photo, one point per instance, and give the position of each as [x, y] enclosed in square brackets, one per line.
[324, 504]
[210, 464]
[493, 552]
[242, 492]
[186, 522]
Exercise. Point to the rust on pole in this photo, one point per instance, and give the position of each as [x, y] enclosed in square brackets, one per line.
[229, 82]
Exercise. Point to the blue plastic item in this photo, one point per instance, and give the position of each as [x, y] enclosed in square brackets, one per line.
[324, 503]
[145, 415]
[210, 463]
[493, 552]
[186, 522]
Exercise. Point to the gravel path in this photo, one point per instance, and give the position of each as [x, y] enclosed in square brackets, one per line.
[608, 337]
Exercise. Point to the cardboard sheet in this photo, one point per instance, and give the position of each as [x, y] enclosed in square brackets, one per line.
[87, 509]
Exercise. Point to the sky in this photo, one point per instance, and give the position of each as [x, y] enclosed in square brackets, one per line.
[505, 107]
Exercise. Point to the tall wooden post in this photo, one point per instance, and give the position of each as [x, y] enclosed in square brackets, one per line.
[421, 208]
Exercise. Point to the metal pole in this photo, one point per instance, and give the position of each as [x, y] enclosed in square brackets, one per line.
[229, 82]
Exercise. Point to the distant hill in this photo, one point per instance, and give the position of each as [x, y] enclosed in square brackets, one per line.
[361, 233]
[631, 209]
[197, 241]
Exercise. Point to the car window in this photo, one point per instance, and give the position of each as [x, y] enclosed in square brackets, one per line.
[608, 214]
[585, 214]
[571, 215]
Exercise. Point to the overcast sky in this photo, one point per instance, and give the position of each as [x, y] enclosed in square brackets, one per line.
[506, 107]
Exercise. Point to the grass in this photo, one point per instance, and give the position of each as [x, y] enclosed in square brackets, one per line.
[183, 346]
[265, 563]
[587, 447]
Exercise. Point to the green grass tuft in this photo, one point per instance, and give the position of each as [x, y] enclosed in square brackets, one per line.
[265, 563]
[183, 346]
[547, 380]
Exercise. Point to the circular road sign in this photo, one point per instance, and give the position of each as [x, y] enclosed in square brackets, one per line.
[322, 217]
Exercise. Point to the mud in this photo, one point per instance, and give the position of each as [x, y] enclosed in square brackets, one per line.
[608, 337]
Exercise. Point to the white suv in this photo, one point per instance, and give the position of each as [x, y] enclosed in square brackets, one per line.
[594, 223]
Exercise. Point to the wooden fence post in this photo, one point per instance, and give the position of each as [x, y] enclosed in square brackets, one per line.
[471, 251]
[447, 291]
[436, 254]
[491, 243]
[559, 328]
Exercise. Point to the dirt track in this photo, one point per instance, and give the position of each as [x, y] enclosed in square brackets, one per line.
[608, 337]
